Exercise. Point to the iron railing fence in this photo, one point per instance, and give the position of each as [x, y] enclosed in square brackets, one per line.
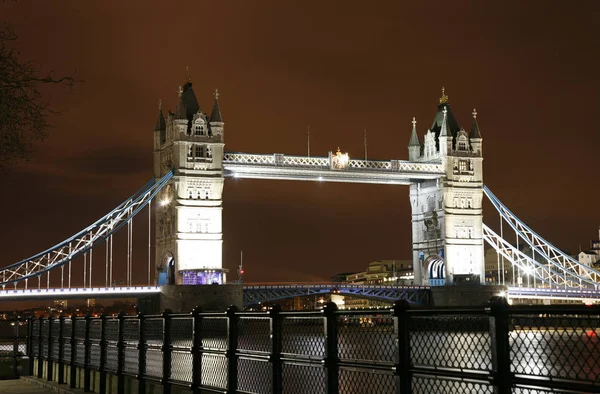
[13, 345]
[494, 349]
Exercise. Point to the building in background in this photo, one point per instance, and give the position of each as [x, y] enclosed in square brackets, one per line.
[497, 269]
[591, 257]
[60, 305]
[379, 272]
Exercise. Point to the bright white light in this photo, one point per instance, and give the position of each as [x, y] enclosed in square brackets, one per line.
[502, 294]
[235, 175]
[320, 178]
[165, 202]
[85, 291]
[528, 270]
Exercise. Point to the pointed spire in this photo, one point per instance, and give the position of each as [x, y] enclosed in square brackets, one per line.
[444, 130]
[414, 138]
[180, 110]
[160, 122]
[187, 106]
[474, 126]
[215, 116]
[444, 98]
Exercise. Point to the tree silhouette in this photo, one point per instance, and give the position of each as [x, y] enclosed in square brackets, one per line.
[23, 112]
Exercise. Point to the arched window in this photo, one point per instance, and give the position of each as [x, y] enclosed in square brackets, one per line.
[462, 143]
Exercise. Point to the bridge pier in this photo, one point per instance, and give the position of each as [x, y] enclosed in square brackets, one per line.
[465, 295]
[184, 298]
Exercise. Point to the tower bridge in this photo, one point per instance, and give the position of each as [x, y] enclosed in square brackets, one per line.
[444, 173]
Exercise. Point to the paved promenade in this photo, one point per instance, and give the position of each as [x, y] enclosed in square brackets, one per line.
[28, 386]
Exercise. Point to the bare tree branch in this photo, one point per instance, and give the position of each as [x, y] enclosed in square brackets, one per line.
[23, 112]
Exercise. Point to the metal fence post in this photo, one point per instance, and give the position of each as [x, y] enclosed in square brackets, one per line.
[15, 346]
[403, 362]
[197, 351]
[103, 353]
[30, 344]
[61, 350]
[166, 348]
[49, 363]
[87, 357]
[232, 343]
[275, 359]
[121, 354]
[141, 355]
[501, 375]
[331, 360]
[40, 369]
[72, 367]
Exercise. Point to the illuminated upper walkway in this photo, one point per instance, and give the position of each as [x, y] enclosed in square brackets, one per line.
[337, 168]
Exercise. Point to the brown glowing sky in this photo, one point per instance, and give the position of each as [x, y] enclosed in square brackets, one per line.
[530, 69]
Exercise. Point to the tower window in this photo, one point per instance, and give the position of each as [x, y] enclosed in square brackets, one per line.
[462, 145]
[462, 166]
[199, 151]
[199, 130]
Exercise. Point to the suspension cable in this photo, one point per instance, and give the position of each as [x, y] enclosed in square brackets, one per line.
[84, 268]
[149, 239]
[70, 251]
[91, 255]
[106, 265]
[66, 251]
[111, 283]
[128, 252]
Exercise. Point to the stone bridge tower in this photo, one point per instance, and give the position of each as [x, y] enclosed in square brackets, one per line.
[189, 233]
[447, 212]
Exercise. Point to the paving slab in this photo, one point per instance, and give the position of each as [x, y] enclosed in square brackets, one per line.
[30, 385]
[22, 387]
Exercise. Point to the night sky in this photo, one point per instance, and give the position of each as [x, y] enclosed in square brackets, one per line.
[530, 68]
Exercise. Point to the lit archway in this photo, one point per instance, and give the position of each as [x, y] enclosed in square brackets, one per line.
[166, 270]
[436, 270]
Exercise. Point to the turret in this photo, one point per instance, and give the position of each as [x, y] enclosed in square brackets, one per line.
[160, 137]
[216, 121]
[445, 139]
[160, 128]
[414, 146]
[187, 108]
[475, 135]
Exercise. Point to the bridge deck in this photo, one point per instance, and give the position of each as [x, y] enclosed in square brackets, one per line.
[282, 167]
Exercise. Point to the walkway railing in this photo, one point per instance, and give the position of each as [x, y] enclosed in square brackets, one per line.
[498, 349]
[13, 346]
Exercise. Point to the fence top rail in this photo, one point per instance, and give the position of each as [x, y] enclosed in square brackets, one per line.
[255, 314]
[511, 310]
[554, 310]
[450, 311]
[315, 313]
[151, 317]
[361, 312]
